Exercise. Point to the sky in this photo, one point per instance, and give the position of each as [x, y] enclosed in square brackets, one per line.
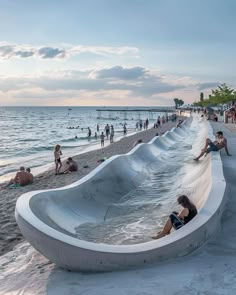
[114, 52]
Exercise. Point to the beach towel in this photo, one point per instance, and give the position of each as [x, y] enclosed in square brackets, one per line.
[14, 185]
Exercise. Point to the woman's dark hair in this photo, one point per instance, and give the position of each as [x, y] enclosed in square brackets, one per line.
[185, 202]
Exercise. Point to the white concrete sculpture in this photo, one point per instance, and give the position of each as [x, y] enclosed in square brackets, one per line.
[48, 218]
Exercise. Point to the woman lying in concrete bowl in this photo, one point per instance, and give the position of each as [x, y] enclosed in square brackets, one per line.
[177, 220]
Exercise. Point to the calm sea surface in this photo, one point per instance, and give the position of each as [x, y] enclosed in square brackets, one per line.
[28, 134]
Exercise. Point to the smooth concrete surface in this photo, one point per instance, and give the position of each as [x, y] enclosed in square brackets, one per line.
[47, 218]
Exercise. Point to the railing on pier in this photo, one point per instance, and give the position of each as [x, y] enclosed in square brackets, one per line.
[134, 112]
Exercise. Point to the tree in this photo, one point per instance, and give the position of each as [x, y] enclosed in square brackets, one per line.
[178, 102]
[181, 102]
[221, 95]
[201, 96]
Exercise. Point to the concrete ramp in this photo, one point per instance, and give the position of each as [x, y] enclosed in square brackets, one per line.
[49, 219]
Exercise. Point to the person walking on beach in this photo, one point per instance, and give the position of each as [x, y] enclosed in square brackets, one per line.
[102, 139]
[214, 146]
[125, 129]
[177, 220]
[112, 134]
[107, 130]
[57, 156]
[140, 125]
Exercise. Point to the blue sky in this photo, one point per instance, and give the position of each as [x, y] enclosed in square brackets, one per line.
[107, 52]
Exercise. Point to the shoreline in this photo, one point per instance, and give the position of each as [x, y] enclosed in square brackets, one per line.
[38, 170]
[10, 234]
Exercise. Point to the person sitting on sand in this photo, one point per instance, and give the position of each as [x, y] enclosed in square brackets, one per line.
[179, 123]
[22, 178]
[214, 146]
[72, 165]
[177, 220]
[137, 142]
[57, 156]
[30, 175]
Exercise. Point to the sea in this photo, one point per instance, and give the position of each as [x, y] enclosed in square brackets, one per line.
[28, 134]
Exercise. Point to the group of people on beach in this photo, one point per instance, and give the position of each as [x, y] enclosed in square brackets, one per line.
[176, 219]
[23, 177]
[72, 166]
[109, 132]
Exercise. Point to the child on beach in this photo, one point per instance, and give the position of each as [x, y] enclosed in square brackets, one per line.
[57, 156]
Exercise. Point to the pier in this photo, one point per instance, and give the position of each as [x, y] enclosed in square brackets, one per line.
[114, 113]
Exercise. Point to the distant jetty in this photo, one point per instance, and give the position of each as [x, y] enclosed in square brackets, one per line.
[111, 112]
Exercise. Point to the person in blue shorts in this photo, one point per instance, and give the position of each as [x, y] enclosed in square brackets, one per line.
[214, 146]
[177, 220]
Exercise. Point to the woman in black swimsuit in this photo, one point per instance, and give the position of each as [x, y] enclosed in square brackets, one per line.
[177, 220]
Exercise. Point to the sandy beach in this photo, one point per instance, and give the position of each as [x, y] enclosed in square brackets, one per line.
[10, 234]
[208, 270]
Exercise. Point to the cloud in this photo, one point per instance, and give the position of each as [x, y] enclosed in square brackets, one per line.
[105, 50]
[110, 86]
[24, 54]
[121, 73]
[49, 52]
[207, 85]
[105, 86]
[8, 51]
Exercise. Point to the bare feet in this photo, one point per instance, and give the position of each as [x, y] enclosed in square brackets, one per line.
[158, 236]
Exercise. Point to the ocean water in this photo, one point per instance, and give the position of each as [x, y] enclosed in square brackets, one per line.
[28, 134]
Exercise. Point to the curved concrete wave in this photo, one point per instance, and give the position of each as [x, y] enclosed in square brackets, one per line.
[48, 218]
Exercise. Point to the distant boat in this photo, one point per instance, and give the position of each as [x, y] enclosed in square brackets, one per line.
[69, 109]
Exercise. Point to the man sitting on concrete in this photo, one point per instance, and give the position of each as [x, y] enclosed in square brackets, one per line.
[72, 165]
[214, 146]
